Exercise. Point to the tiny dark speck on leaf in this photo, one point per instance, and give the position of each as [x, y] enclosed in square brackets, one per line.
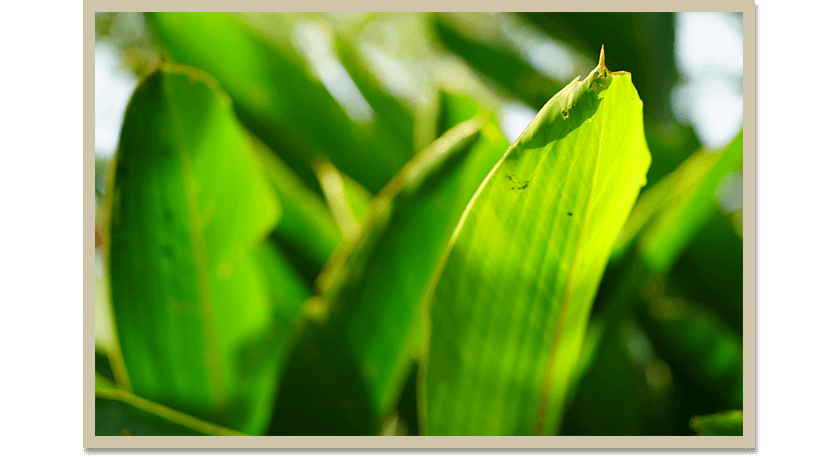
[569, 214]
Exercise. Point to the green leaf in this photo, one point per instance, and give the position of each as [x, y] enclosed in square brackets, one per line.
[455, 108]
[189, 207]
[279, 98]
[727, 423]
[307, 232]
[373, 287]
[511, 304]
[668, 215]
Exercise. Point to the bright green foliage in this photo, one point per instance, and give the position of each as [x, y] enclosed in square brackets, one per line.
[189, 210]
[675, 209]
[397, 252]
[307, 232]
[280, 101]
[347, 245]
[510, 307]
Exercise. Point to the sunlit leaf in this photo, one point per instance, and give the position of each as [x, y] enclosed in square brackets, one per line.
[373, 286]
[511, 304]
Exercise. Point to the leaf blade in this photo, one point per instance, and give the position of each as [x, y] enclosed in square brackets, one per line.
[494, 326]
[189, 207]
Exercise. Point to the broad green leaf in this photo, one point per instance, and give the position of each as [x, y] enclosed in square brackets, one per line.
[727, 423]
[279, 98]
[307, 232]
[668, 215]
[189, 207]
[119, 412]
[511, 304]
[374, 285]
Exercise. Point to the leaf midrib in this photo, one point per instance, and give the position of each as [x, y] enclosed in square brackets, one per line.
[212, 351]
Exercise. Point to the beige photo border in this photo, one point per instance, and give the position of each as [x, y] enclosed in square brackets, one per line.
[747, 441]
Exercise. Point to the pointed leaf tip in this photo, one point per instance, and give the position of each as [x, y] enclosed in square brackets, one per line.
[602, 59]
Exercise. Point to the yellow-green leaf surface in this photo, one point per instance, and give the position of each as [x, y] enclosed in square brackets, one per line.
[373, 285]
[280, 98]
[511, 304]
[727, 423]
[189, 288]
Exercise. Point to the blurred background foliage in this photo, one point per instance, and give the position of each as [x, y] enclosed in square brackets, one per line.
[335, 104]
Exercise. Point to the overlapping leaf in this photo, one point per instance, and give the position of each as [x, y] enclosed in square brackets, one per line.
[669, 214]
[280, 100]
[373, 286]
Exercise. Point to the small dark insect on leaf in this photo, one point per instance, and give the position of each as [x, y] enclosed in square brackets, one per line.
[569, 214]
[517, 185]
